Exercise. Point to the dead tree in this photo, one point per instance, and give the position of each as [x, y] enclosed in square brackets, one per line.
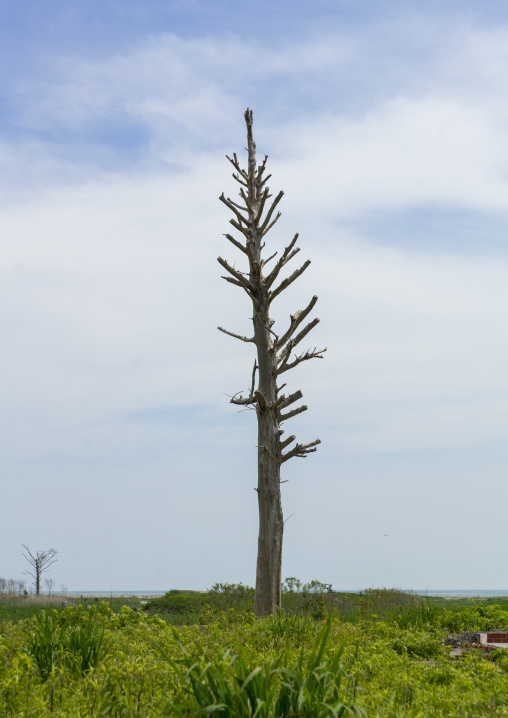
[49, 583]
[253, 219]
[39, 563]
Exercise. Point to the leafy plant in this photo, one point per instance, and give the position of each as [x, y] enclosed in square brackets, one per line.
[229, 685]
[75, 644]
[476, 618]
[283, 627]
[418, 644]
[313, 687]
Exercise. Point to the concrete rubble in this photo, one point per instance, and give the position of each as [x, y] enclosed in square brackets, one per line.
[484, 640]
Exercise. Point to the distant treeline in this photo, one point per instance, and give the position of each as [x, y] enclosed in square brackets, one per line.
[12, 586]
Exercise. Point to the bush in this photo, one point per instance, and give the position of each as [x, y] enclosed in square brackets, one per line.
[476, 618]
[178, 602]
[418, 644]
[231, 595]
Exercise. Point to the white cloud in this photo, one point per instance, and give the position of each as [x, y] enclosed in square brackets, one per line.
[443, 145]
[112, 297]
[193, 82]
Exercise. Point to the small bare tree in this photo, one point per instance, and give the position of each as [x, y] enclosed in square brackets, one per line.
[39, 564]
[274, 358]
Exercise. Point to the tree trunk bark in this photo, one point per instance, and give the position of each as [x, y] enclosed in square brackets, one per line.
[271, 523]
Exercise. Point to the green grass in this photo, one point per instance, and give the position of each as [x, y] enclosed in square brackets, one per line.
[458, 604]
[14, 613]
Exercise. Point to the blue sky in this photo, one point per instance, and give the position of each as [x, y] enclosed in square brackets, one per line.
[385, 125]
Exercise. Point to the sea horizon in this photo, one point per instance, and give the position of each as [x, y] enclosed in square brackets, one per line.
[443, 593]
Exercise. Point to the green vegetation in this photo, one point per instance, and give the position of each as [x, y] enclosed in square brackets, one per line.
[17, 608]
[458, 604]
[377, 653]
[314, 599]
[72, 639]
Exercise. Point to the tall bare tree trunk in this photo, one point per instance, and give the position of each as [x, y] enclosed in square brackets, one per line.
[273, 359]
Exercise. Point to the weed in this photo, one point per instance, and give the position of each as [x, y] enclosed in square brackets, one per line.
[415, 615]
[283, 627]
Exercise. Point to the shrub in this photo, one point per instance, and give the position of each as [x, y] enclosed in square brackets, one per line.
[476, 618]
[418, 644]
[178, 602]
